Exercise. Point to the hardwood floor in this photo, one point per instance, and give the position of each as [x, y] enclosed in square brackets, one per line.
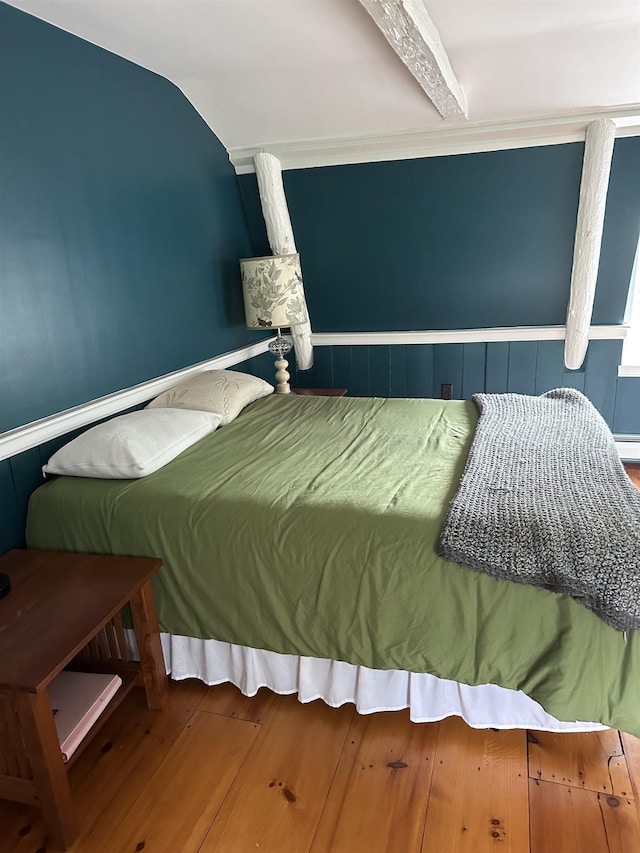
[220, 772]
[633, 470]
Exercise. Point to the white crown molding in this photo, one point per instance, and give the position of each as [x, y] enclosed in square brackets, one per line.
[38, 432]
[463, 139]
[462, 336]
[408, 28]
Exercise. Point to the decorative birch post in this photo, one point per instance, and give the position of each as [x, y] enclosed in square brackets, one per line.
[598, 151]
[281, 240]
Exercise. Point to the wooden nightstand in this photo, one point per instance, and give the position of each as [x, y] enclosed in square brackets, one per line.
[320, 392]
[64, 610]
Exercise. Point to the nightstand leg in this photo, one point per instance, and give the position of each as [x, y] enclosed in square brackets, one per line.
[145, 624]
[49, 773]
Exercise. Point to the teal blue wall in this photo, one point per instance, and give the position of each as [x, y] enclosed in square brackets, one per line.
[473, 240]
[525, 367]
[121, 228]
[121, 225]
[449, 242]
[465, 241]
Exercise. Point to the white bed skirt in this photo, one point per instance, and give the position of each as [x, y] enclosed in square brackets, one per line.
[427, 697]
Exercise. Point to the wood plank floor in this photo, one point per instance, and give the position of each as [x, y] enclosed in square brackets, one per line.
[220, 773]
[633, 470]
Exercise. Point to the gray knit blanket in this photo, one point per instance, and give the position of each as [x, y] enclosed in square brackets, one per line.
[544, 500]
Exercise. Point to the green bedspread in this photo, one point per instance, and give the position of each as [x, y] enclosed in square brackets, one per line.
[309, 526]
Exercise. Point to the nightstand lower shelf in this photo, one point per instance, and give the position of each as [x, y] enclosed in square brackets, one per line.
[64, 612]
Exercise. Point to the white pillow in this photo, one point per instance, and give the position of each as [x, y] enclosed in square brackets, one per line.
[224, 391]
[131, 445]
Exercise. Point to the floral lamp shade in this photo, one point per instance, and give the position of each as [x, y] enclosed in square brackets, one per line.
[273, 292]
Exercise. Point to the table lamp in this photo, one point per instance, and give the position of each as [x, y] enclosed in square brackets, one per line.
[274, 299]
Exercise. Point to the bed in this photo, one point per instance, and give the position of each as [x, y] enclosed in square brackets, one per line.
[300, 552]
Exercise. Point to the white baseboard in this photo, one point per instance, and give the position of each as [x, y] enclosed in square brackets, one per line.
[628, 448]
[628, 370]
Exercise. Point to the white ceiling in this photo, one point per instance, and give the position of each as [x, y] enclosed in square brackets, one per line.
[288, 71]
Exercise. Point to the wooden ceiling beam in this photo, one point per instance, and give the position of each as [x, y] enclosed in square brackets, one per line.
[408, 28]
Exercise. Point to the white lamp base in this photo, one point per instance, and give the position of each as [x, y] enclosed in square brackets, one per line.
[282, 376]
[279, 347]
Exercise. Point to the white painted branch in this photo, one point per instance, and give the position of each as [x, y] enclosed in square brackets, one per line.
[596, 165]
[274, 204]
[280, 236]
[408, 28]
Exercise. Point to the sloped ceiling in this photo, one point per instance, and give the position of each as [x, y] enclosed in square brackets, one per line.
[264, 73]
